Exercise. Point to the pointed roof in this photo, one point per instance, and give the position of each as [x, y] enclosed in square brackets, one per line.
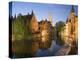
[32, 13]
[72, 10]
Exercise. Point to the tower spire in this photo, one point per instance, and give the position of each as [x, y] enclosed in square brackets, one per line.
[72, 10]
[32, 13]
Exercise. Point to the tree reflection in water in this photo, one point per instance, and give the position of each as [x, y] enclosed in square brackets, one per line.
[36, 47]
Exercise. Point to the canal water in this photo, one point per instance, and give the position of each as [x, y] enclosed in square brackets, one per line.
[50, 51]
[28, 49]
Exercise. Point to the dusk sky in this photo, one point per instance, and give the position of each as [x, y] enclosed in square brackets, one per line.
[42, 11]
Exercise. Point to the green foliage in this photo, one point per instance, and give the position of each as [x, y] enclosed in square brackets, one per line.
[60, 25]
[18, 28]
[59, 28]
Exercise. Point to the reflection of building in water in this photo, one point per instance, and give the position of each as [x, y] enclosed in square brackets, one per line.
[71, 28]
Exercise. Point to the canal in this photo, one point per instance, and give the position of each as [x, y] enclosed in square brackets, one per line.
[37, 48]
[34, 49]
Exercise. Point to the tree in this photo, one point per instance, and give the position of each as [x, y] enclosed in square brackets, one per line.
[59, 27]
[18, 28]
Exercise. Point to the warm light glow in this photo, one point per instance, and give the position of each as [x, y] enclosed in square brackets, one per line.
[44, 33]
[43, 39]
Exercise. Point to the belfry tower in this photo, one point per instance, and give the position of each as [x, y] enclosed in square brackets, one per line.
[50, 18]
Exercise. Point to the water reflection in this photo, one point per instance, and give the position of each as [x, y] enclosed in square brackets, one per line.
[36, 47]
[50, 51]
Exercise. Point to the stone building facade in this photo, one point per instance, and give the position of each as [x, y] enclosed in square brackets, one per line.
[31, 22]
[71, 27]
